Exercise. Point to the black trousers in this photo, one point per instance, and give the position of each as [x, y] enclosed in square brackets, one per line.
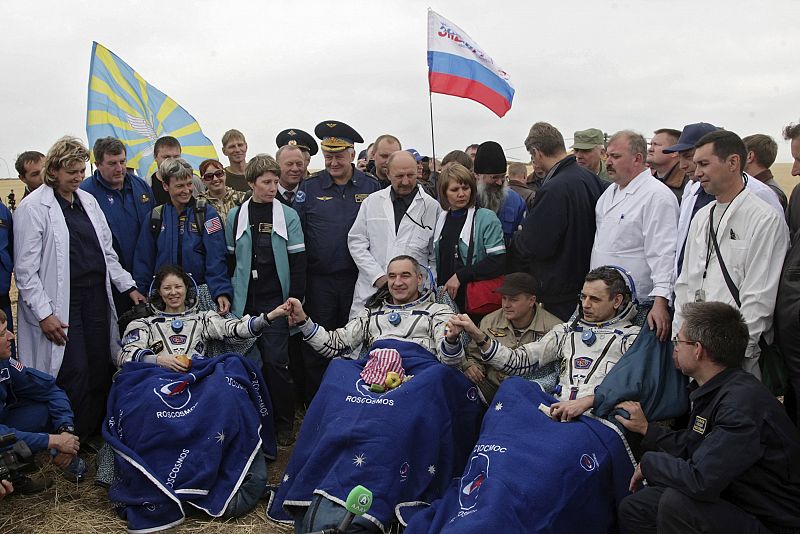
[328, 301]
[668, 511]
[272, 345]
[86, 371]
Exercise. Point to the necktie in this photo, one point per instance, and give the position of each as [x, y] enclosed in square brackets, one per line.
[288, 195]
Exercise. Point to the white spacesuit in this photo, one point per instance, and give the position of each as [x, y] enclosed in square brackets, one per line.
[422, 321]
[185, 333]
[587, 352]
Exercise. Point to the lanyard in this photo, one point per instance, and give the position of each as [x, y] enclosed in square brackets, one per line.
[712, 233]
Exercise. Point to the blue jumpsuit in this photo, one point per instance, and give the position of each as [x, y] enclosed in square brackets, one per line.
[32, 406]
[200, 251]
[6, 264]
[327, 212]
[126, 211]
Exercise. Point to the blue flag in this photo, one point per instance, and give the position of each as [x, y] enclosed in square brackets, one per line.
[122, 104]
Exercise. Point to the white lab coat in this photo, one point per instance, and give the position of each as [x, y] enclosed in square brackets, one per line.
[373, 242]
[636, 230]
[753, 240]
[761, 190]
[41, 269]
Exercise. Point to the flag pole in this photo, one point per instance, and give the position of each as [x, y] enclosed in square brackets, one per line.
[433, 142]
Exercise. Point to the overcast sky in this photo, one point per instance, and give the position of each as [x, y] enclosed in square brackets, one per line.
[262, 66]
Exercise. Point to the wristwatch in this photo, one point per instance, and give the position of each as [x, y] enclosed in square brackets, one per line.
[65, 428]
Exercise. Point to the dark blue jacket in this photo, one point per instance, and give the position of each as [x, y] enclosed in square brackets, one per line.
[22, 386]
[511, 214]
[6, 249]
[740, 447]
[557, 236]
[202, 250]
[327, 212]
[126, 211]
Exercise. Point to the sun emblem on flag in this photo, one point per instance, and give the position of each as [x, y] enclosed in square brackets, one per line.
[498, 406]
[432, 469]
[220, 437]
[359, 460]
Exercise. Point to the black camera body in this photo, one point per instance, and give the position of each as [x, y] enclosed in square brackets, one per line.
[16, 460]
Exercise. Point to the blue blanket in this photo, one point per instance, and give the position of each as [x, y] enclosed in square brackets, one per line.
[405, 445]
[529, 473]
[184, 437]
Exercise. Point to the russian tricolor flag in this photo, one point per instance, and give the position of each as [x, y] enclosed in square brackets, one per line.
[458, 67]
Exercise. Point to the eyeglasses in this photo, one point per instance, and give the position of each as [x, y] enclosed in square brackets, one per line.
[675, 341]
[207, 177]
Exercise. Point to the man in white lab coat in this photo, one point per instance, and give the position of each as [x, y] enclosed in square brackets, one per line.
[637, 219]
[394, 221]
[751, 235]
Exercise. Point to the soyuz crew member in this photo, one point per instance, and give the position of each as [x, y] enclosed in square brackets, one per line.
[590, 345]
[267, 241]
[125, 199]
[183, 232]
[328, 204]
[303, 141]
[407, 314]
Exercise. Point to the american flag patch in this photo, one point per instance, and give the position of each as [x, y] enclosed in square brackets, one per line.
[381, 361]
[213, 225]
[16, 364]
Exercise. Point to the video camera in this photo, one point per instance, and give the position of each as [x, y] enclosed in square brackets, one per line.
[15, 458]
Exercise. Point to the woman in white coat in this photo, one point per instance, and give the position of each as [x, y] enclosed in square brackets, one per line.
[64, 268]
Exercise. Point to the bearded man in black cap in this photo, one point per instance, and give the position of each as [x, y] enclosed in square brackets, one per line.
[493, 190]
[328, 204]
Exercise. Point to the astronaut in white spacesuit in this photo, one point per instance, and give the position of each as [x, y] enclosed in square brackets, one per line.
[175, 331]
[587, 347]
[409, 314]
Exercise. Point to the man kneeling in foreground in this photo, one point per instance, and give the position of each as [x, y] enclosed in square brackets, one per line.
[736, 468]
[590, 345]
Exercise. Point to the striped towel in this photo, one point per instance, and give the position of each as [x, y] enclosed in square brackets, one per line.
[380, 362]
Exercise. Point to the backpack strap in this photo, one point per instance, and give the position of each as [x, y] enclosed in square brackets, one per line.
[156, 216]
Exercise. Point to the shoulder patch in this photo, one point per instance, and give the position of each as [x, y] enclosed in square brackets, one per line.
[699, 425]
[213, 225]
[300, 197]
[16, 364]
[131, 336]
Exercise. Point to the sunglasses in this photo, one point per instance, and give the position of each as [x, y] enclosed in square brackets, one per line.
[207, 177]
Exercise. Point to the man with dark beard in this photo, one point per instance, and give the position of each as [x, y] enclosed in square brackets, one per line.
[493, 190]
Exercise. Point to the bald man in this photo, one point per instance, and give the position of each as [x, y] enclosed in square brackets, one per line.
[393, 221]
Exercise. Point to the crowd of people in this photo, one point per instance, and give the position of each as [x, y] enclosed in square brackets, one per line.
[687, 235]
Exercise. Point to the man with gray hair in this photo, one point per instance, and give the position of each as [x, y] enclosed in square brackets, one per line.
[590, 151]
[637, 222]
[556, 249]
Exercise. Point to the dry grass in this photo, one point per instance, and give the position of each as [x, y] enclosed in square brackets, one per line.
[85, 508]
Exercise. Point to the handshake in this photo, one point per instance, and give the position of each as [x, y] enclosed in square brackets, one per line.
[292, 309]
